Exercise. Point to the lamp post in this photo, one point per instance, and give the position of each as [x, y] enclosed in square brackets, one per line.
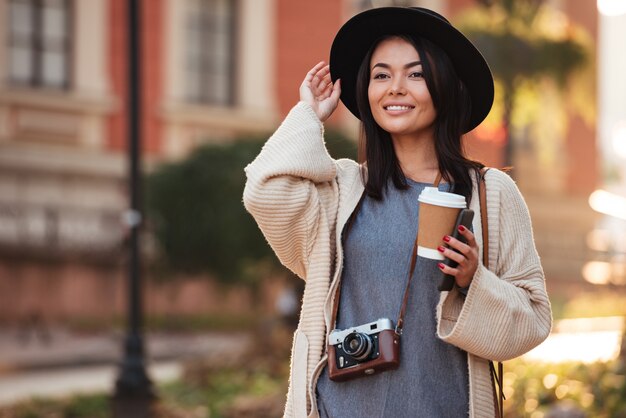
[133, 389]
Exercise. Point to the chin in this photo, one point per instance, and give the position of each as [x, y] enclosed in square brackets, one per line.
[394, 130]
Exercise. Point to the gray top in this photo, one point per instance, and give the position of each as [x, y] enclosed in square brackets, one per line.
[432, 380]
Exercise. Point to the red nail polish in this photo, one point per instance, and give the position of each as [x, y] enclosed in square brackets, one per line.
[461, 228]
[441, 249]
[446, 238]
[441, 265]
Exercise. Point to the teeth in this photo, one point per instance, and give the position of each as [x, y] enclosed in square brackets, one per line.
[398, 107]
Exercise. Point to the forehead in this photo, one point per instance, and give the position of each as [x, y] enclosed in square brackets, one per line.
[394, 49]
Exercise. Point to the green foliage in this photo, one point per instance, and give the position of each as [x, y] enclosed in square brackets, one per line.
[201, 323]
[534, 389]
[512, 57]
[81, 406]
[198, 218]
[94, 406]
[533, 51]
[222, 390]
[526, 40]
[339, 145]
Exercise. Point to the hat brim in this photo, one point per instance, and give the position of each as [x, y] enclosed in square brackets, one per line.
[357, 35]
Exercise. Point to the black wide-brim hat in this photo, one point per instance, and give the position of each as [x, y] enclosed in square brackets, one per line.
[357, 35]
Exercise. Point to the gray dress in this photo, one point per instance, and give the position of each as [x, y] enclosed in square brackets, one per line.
[432, 380]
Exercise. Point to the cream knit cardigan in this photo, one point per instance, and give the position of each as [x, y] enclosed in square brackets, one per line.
[301, 199]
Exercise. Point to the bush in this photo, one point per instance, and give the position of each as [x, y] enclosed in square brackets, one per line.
[225, 390]
[535, 389]
[81, 406]
[196, 212]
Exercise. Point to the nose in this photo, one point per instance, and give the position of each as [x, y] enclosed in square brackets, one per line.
[397, 88]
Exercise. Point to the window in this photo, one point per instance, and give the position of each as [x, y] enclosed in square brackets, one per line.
[209, 49]
[39, 34]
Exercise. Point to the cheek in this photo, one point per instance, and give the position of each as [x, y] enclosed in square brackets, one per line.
[371, 97]
[374, 96]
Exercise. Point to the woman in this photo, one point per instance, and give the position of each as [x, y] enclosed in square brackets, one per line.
[417, 84]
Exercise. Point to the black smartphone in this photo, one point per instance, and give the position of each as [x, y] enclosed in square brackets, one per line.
[465, 218]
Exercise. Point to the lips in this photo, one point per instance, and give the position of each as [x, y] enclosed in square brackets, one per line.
[398, 107]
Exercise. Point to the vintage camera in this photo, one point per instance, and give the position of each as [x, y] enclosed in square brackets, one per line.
[363, 350]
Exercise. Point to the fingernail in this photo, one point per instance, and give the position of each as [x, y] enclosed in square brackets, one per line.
[461, 228]
[441, 265]
[446, 238]
[441, 249]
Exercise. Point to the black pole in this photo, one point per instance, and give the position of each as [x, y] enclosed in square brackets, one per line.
[133, 386]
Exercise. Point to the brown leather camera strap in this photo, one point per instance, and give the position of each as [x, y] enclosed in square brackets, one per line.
[405, 298]
[482, 193]
[496, 375]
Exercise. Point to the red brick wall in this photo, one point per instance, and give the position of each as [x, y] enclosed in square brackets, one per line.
[151, 74]
[65, 291]
[304, 35]
[581, 147]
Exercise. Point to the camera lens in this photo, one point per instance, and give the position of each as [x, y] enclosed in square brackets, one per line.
[357, 345]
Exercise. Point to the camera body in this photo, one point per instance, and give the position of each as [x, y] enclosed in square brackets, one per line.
[363, 350]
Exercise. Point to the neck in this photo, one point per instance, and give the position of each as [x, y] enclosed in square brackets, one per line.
[417, 157]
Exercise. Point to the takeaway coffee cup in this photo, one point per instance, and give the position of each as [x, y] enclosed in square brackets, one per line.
[438, 213]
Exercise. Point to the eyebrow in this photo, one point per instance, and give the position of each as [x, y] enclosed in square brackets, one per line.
[406, 66]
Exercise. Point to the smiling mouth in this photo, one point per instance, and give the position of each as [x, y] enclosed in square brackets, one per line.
[395, 107]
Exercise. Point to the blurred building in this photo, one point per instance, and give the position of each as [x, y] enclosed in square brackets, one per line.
[212, 70]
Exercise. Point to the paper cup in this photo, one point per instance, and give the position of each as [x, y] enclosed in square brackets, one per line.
[438, 213]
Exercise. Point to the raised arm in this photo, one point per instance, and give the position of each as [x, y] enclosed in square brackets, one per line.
[294, 172]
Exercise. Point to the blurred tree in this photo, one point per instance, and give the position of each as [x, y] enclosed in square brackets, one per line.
[200, 224]
[530, 48]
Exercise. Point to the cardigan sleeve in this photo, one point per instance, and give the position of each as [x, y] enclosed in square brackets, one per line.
[285, 184]
[506, 312]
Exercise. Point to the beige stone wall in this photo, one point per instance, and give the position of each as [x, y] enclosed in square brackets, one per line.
[187, 124]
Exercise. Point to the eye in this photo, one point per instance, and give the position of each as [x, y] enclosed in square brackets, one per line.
[416, 74]
[380, 76]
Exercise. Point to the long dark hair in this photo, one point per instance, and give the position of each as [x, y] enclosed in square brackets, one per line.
[453, 107]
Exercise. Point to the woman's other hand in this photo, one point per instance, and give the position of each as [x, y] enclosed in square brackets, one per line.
[467, 257]
[319, 92]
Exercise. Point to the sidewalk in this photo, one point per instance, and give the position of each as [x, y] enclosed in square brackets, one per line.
[63, 382]
[76, 363]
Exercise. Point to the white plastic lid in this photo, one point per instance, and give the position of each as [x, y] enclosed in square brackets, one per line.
[433, 196]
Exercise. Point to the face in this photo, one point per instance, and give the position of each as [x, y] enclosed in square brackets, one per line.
[397, 92]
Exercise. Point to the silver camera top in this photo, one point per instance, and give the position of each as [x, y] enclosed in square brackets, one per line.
[338, 335]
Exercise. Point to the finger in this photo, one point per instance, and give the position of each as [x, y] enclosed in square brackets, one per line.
[313, 71]
[336, 90]
[452, 255]
[321, 88]
[326, 93]
[328, 86]
[457, 245]
[326, 82]
[448, 270]
[468, 235]
[321, 79]
[324, 71]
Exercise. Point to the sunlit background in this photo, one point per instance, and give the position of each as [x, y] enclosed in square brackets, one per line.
[217, 77]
